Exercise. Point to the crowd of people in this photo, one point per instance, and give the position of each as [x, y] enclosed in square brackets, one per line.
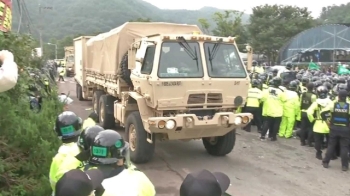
[314, 101]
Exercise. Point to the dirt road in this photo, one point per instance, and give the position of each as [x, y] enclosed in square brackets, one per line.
[256, 168]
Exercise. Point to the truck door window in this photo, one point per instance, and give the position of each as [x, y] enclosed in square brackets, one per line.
[177, 62]
[147, 64]
[226, 63]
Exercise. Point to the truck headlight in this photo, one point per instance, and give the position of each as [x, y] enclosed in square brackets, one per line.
[170, 124]
[238, 120]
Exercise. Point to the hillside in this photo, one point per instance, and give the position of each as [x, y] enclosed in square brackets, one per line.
[92, 16]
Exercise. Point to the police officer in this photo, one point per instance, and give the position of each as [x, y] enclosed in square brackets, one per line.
[339, 131]
[290, 111]
[289, 67]
[91, 120]
[253, 103]
[320, 127]
[272, 109]
[110, 153]
[257, 68]
[306, 99]
[68, 128]
[85, 141]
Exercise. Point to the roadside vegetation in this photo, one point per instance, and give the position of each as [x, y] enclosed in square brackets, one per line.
[27, 139]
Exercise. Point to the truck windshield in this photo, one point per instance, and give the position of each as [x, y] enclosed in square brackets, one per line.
[223, 61]
[178, 60]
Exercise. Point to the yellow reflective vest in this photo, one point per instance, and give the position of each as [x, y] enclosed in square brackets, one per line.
[88, 123]
[273, 100]
[254, 97]
[129, 182]
[314, 114]
[65, 151]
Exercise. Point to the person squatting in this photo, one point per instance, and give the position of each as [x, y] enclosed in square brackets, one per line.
[316, 102]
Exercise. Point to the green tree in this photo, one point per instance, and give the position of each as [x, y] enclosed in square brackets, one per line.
[141, 20]
[335, 14]
[227, 23]
[27, 142]
[271, 26]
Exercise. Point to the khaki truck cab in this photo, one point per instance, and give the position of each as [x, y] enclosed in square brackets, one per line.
[69, 58]
[177, 84]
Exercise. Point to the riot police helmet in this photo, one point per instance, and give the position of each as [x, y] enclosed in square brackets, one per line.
[276, 81]
[341, 80]
[255, 83]
[68, 125]
[328, 85]
[305, 80]
[342, 87]
[322, 92]
[293, 85]
[87, 136]
[109, 148]
[289, 65]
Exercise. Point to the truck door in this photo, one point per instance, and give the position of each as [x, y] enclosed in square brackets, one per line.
[144, 67]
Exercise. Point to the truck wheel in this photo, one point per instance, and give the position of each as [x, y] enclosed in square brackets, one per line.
[141, 151]
[106, 116]
[80, 93]
[125, 71]
[96, 101]
[221, 145]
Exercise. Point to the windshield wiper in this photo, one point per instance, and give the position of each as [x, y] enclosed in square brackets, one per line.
[213, 52]
[188, 50]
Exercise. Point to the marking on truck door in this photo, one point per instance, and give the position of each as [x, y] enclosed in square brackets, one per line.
[236, 83]
[171, 83]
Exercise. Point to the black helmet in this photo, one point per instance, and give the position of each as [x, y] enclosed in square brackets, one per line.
[87, 137]
[322, 92]
[254, 63]
[276, 81]
[289, 65]
[68, 125]
[255, 83]
[263, 77]
[328, 85]
[293, 85]
[94, 116]
[305, 80]
[108, 148]
[275, 71]
[341, 80]
[342, 87]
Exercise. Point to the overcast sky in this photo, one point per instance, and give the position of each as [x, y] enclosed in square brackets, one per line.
[243, 5]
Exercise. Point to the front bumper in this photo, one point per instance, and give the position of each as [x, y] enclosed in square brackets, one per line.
[189, 126]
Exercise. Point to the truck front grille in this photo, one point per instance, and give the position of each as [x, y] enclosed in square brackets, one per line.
[196, 99]
[214, 98]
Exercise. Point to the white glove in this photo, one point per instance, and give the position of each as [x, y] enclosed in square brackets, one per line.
[6, 55]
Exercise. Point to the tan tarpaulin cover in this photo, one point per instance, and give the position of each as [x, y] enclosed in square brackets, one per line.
[105, 51]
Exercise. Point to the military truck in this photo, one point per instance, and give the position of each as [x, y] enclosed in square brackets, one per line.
[164, 81]
[69, 58]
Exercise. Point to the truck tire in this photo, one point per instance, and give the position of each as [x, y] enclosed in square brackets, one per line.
[79, 90]
[96, 100]
[141, 151]
[222, 145]
[125, 71]
[106, 116]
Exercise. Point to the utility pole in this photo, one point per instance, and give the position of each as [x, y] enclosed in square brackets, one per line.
[21, 15]
[41, 25]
